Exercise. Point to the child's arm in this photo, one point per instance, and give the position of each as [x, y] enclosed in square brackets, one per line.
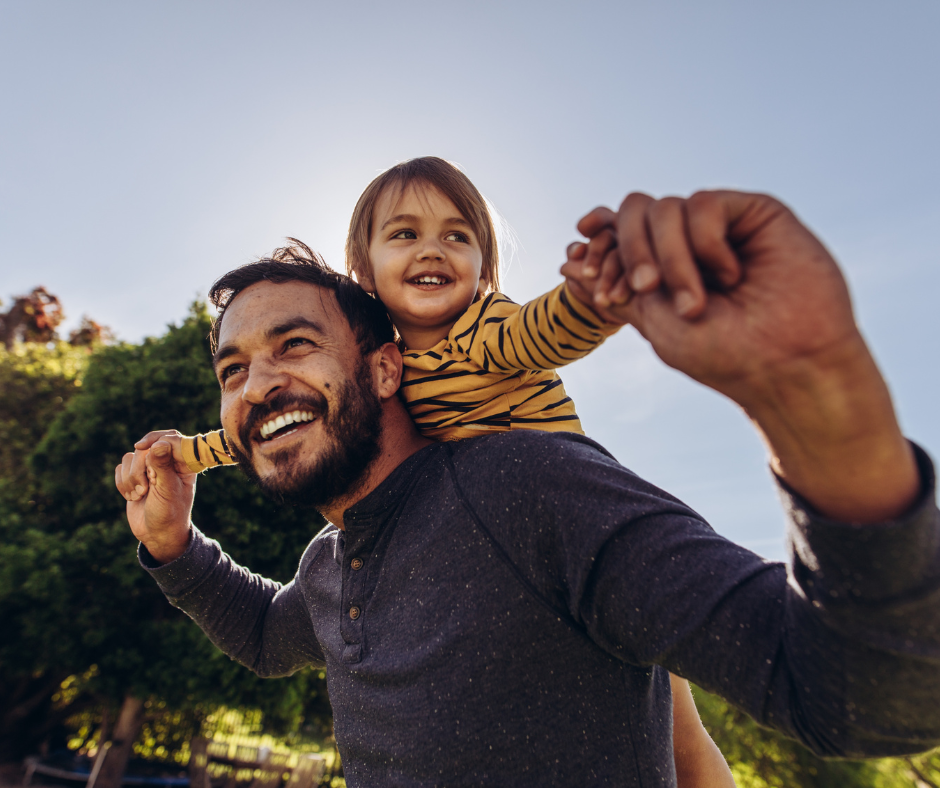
[210, 450]
[699, 762]
[190, 454]
[546, 333]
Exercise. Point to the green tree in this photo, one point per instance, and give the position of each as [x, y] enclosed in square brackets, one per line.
[73, 595]
[761, 758]
[36, 382]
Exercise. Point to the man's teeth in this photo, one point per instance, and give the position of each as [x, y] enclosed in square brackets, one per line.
[296, 417]
[430, 280]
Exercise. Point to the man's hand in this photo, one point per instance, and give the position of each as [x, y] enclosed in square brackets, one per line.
[159, 490]
[733, 290]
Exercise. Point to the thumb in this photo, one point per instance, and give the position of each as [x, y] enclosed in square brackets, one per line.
[161, 469]
[161, 455]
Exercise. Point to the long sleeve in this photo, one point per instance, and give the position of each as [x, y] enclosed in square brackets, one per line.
[841, 650]
[206, 451]
[257, 622]
[545, 333]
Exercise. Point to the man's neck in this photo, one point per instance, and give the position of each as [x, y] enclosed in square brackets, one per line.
[400, 439]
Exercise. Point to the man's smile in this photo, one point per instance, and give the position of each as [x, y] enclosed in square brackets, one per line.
[284, 424]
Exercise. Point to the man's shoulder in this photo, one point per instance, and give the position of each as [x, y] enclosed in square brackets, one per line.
[564, 474]
[540, 446]
[521, 462]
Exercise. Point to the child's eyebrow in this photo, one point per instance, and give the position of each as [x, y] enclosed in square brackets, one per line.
[412, 219]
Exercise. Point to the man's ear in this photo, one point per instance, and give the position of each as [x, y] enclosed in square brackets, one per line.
[387, 368]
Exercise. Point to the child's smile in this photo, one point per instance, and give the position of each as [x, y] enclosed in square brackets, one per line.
[426, 263]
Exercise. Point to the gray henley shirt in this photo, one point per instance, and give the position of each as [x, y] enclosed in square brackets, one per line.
[500, 611]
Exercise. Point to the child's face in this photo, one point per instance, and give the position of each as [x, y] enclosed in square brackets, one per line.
[426, 263]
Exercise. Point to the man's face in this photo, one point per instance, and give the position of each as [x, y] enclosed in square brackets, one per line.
[299, 407]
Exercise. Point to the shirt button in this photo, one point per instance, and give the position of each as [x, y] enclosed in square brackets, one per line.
[354, 612]
[356, 563]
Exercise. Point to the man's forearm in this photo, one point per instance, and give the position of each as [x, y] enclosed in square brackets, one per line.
[833, 435]
[267, 630]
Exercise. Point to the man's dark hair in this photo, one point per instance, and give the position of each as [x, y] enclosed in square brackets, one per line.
[299, 263]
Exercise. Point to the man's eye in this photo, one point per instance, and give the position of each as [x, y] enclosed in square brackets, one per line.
[296, 342]
[230, 370]
[407, 235]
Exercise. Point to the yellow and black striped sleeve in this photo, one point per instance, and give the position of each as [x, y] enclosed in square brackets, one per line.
[546, 333]
[206, 451]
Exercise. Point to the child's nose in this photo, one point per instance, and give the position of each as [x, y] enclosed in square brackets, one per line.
[431, 250]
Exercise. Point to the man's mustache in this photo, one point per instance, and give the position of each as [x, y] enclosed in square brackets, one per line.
[280, 403]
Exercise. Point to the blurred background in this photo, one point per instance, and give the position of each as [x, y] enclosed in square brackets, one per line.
[148, 148]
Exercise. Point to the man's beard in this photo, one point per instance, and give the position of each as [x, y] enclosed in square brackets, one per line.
[352, 428]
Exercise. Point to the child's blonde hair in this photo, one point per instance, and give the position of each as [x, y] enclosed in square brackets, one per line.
[447, 179]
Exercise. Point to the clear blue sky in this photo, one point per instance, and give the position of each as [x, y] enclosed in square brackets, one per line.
[147, 148]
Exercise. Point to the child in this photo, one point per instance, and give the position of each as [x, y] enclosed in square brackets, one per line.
[422, 240]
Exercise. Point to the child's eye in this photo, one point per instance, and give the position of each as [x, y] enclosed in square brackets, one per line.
[407, 235]
[457, 237]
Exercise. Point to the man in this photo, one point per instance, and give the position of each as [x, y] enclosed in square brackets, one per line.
[496, 610]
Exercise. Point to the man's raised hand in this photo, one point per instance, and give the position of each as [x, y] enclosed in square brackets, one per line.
[731, 289]
[159, 490]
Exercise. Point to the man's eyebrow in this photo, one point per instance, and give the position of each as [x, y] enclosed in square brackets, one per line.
[272, 333]
[412, 219]
[292, 325]
[221, 354]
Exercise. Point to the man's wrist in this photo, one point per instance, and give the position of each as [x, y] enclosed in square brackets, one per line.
[834, 437]
[168, 549]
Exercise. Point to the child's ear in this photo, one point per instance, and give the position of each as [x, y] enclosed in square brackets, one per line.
[484, 284]
[364, 278]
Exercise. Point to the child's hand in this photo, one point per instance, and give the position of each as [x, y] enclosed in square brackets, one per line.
[136, 483]
[593, 270]
[602, 260]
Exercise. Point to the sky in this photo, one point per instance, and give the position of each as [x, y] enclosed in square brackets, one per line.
[148, 148]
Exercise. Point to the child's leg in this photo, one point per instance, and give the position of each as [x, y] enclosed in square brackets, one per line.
[699, 763]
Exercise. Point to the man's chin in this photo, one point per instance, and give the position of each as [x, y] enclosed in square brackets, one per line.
[316, 483]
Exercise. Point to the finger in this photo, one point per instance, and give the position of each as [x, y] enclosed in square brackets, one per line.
[126, 486]
[620, 292]
[707, 224]
[160, 466]
[667, 229]
[576, 250]
[119, 479]
[592, 223]
[611, 271]
[636, 252]
[597, 248]
[136, 477]
[152, 437]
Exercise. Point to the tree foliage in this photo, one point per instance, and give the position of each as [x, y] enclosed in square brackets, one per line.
[73, 599]
[760, 758]
[31, 318]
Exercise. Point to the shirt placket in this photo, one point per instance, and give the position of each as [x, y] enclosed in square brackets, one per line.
[359, 570]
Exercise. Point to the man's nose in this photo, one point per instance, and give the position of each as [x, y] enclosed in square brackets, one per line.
[265, 378]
